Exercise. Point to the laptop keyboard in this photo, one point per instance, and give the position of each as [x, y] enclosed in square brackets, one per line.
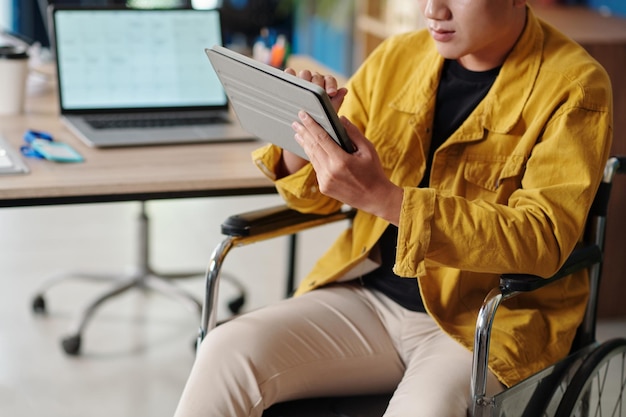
[125, 121]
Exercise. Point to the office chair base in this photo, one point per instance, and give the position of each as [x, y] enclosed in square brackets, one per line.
[147, 281]
[144, 278]
[71, 345]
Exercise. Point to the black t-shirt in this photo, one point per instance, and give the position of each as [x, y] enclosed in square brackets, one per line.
[459, 92]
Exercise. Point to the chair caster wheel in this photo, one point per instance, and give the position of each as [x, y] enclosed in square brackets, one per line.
[194, 345]
[71, 345]
[235, 305]
[39, 305]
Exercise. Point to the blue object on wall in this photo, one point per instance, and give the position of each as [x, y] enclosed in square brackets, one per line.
[616, 7]
[28, 22]
[326, 41]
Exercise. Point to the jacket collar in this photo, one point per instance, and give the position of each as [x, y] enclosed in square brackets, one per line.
[520, 69]
[420, 88]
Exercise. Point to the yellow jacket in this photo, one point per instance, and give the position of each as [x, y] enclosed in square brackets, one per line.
[509, 190]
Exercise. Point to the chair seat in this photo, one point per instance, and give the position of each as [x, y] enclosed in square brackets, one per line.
[355, 406]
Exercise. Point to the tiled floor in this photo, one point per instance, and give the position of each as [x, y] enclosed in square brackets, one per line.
[138, 349]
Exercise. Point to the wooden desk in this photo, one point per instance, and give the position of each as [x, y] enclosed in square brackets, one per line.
[124, 174]
[131, 173]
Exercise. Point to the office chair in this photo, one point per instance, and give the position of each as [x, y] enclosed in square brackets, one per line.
[143, 277]
[578, 385]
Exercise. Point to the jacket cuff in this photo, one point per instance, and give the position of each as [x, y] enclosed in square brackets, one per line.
[299, 185]
[267, 159]
[414, 231]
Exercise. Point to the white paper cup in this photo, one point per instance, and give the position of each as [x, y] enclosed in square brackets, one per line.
[13, 73]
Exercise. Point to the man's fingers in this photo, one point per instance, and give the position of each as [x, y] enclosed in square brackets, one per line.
[308, 133]
[315, 135]
[348, 125]
[317, 78]
[305, 75]
[330, 84]
[352, 131]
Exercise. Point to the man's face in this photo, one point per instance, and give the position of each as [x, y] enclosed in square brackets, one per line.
[477, 33]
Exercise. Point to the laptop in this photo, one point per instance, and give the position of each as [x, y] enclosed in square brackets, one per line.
[129, 77]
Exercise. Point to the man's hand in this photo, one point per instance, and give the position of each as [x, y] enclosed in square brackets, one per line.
[327, 82]
[290, 161]
[356, 179]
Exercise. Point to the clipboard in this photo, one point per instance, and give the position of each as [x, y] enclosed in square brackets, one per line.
[267, 100]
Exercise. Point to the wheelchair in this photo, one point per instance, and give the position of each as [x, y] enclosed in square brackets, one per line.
[590, 381]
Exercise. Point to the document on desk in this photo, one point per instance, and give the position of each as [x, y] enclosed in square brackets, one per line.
[10, 160]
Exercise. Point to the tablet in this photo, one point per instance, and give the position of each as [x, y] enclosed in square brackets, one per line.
[267, 100]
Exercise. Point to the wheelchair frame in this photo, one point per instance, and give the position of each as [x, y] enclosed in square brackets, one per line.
[575, 386]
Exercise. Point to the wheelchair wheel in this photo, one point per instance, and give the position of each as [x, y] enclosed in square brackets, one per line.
[598, 388]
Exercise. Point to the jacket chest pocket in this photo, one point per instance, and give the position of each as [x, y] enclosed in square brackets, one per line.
[490, 177]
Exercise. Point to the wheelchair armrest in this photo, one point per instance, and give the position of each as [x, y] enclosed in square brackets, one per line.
[254, 226]
[581, 258]
[278, 220]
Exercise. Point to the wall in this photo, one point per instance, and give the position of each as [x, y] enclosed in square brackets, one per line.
[616, 7]
[325, 34]
[5, 12]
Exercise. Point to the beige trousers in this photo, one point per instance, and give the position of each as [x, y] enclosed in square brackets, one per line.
[340, 340]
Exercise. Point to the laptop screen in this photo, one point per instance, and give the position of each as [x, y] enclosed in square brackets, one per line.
[136, 59]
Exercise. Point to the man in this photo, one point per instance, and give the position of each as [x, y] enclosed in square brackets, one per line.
[480, 143]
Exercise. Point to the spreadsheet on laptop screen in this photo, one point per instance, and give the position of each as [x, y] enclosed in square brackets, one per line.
[110, 59]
